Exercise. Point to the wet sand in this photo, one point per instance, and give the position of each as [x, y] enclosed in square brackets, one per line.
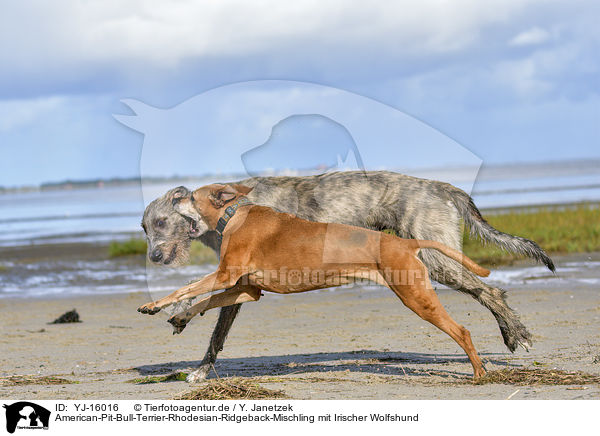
[343, 344]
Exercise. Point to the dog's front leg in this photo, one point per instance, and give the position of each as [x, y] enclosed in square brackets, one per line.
[211, 282]
[226, 317]
[236, 295]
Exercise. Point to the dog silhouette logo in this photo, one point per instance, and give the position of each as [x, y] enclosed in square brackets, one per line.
[263, 126]
[309, 143]
[26, 415]
[287, 128]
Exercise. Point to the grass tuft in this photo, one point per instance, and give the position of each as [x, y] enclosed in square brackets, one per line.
[175, 376]
[235, 388]
[529, 377]
[19, 380]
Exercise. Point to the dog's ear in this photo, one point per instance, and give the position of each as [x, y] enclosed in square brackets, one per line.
[221, 195]
[244, 190]
[177, 193]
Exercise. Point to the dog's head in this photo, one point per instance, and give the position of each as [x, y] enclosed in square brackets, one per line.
[205, 205]
[166, 230]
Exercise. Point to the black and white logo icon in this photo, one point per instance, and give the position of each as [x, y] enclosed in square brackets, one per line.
[26, 415]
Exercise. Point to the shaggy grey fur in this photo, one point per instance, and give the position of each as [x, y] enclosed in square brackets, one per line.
[414, 208]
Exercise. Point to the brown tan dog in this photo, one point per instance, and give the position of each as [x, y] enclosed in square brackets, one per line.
[278, 252]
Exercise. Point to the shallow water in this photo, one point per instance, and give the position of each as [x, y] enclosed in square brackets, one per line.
[584, 273]
[65, 278]
[111, 213]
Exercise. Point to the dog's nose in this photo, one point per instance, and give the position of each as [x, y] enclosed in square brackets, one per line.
[156, 255]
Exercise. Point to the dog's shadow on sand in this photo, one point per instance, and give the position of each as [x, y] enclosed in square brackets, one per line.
[363, 361]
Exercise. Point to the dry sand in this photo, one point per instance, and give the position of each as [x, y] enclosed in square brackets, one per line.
[343, 344]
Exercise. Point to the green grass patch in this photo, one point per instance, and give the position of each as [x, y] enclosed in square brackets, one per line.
[131, 247]
[200, 253]
[575, 230]
[174, 376]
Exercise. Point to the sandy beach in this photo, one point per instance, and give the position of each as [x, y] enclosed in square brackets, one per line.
[342, 344]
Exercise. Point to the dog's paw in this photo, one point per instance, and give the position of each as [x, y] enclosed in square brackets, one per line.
[178, 322]
[149, 309]
[178, 329]
[526, 345]
[198, 375]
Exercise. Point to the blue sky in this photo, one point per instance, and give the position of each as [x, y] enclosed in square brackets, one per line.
[511, 81]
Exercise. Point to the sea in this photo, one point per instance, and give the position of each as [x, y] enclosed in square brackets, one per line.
[101, 214]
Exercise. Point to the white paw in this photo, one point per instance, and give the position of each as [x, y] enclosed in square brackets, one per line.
[198, 375]
[526, 345]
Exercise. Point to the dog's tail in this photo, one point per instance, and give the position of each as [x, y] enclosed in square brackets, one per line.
[454, 254]
[480, 227]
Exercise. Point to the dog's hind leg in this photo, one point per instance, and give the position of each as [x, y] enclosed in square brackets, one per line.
[422, 299]
[514, 333]
[449, 273]
[235, 295]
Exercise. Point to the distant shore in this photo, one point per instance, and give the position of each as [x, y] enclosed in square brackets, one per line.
[112, 182]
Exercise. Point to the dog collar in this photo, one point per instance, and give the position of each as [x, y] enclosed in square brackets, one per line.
[229, 212]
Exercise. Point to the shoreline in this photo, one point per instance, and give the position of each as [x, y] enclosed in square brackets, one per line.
[76, 253]
[95, 269]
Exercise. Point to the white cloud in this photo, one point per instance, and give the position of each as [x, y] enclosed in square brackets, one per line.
[74, 47]
[67, 32]
[532, 36]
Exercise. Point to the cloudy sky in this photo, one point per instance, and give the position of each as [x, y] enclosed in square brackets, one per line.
[510, 80]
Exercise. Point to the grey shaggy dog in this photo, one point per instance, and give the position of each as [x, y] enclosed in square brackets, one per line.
[414, 208]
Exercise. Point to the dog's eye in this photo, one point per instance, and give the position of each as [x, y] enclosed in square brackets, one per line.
[160, 223]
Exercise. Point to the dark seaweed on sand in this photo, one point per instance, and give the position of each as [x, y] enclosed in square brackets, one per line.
[67, 317]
